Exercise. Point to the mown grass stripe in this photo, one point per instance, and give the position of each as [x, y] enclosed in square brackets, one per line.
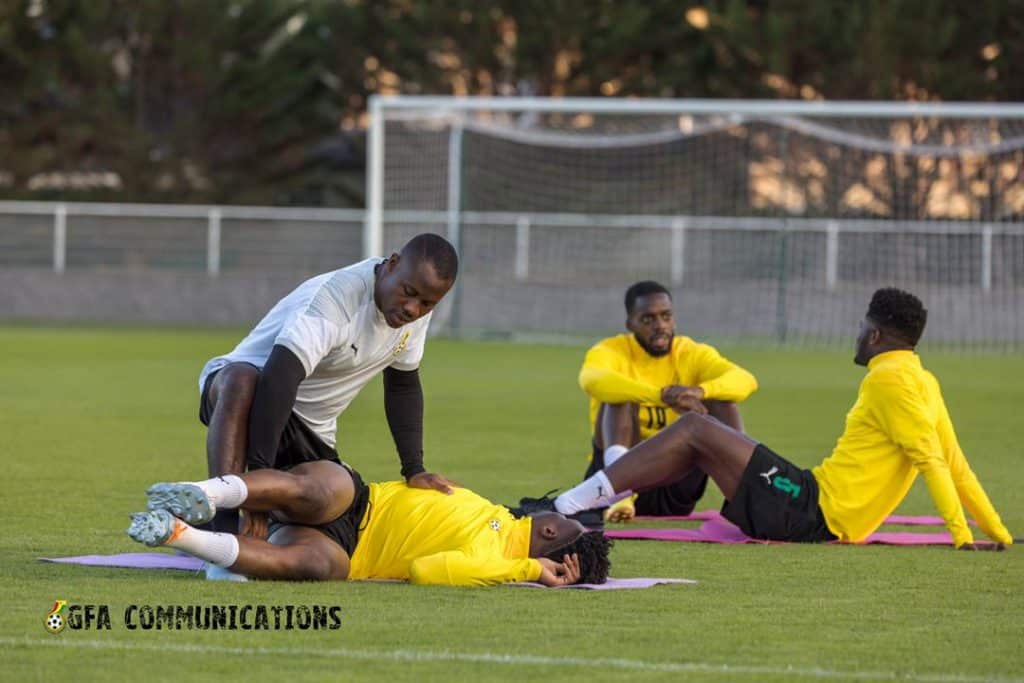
[505, 659]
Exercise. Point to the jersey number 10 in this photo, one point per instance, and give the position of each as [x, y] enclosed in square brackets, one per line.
[656, 417]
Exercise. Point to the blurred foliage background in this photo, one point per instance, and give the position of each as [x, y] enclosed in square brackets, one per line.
[263, 101]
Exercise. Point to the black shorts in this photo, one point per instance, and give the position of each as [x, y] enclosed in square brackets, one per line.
[345, 529]
[677, 498]
[777, 501]
[298, 442]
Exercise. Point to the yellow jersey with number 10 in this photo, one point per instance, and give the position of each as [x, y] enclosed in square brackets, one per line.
[619, 370]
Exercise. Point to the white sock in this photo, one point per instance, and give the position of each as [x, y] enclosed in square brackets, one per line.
[595, 492]
[216, 548]
[613, 453]
[225, 492]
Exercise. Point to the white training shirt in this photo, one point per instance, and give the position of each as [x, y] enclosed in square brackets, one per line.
[332, 325]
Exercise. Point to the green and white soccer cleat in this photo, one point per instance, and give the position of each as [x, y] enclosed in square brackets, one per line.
[183, 500]
[153, 528]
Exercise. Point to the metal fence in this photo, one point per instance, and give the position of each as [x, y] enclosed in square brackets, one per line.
[210, 239]
[798, 281]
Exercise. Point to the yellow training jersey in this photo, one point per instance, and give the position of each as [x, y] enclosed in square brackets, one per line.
[619, 370]
[428, 537]
[898, 427]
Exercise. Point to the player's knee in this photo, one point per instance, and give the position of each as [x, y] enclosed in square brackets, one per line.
[309, 564]
[323, 491]
[313, 495]
[691, 425]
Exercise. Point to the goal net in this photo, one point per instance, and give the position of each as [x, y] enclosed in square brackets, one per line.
[769, 221]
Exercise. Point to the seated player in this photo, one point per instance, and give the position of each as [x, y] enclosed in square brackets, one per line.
[327, 524]
[898, 427]
[638, 382]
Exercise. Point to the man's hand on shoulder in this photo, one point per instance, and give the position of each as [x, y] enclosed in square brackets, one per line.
[683, 399]
[429, 480]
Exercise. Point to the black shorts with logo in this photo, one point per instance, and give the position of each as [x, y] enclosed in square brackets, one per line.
[298, 442]
[677, 498]
[345, 529]
[777, 501]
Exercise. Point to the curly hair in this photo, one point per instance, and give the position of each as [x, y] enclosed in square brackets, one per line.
[592, 549]
[898, 312]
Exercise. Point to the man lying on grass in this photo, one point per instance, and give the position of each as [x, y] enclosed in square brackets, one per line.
[898, 427]
[326, 523]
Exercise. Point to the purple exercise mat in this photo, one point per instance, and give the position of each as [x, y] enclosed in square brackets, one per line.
[133, 561]
[156, 560]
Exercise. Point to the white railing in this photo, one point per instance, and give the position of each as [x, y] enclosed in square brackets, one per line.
[212, 215]
[522, 224]
[833, 228]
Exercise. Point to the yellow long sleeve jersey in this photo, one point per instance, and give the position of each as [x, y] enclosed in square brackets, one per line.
[428, 537]
[619, 370]
[898, 427]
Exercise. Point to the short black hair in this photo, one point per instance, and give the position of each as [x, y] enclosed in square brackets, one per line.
[437, 250]
[899, 313]
[592, 549]
[644, 288]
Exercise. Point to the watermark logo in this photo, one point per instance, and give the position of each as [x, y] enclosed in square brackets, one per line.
[56, 619]
[94, 617]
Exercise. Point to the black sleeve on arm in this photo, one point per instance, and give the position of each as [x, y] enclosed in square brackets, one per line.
[403, 404]
[272, 406]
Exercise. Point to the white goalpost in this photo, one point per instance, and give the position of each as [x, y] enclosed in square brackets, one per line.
[768, 220]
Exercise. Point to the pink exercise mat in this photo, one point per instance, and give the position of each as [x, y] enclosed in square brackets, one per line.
[717, 529]
[705, 515]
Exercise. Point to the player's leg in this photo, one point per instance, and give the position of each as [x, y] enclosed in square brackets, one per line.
[293, 552]
[616, 424]
[309, 493]
[691, 441]
[228, 401]
[681, 496]
[225, 410]
[617, 430]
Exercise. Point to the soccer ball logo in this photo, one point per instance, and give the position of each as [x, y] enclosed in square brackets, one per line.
[55, 621]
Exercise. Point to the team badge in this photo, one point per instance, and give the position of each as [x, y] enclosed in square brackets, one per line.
[495, 524]
[56, 621]
[400, 346]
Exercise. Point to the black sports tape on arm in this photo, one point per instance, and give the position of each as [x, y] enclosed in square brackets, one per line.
[272, 406]
[403, 405]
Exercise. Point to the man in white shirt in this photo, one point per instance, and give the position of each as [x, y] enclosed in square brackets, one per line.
[274, 401]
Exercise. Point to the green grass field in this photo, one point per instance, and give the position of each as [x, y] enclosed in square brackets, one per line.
[90, 417]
